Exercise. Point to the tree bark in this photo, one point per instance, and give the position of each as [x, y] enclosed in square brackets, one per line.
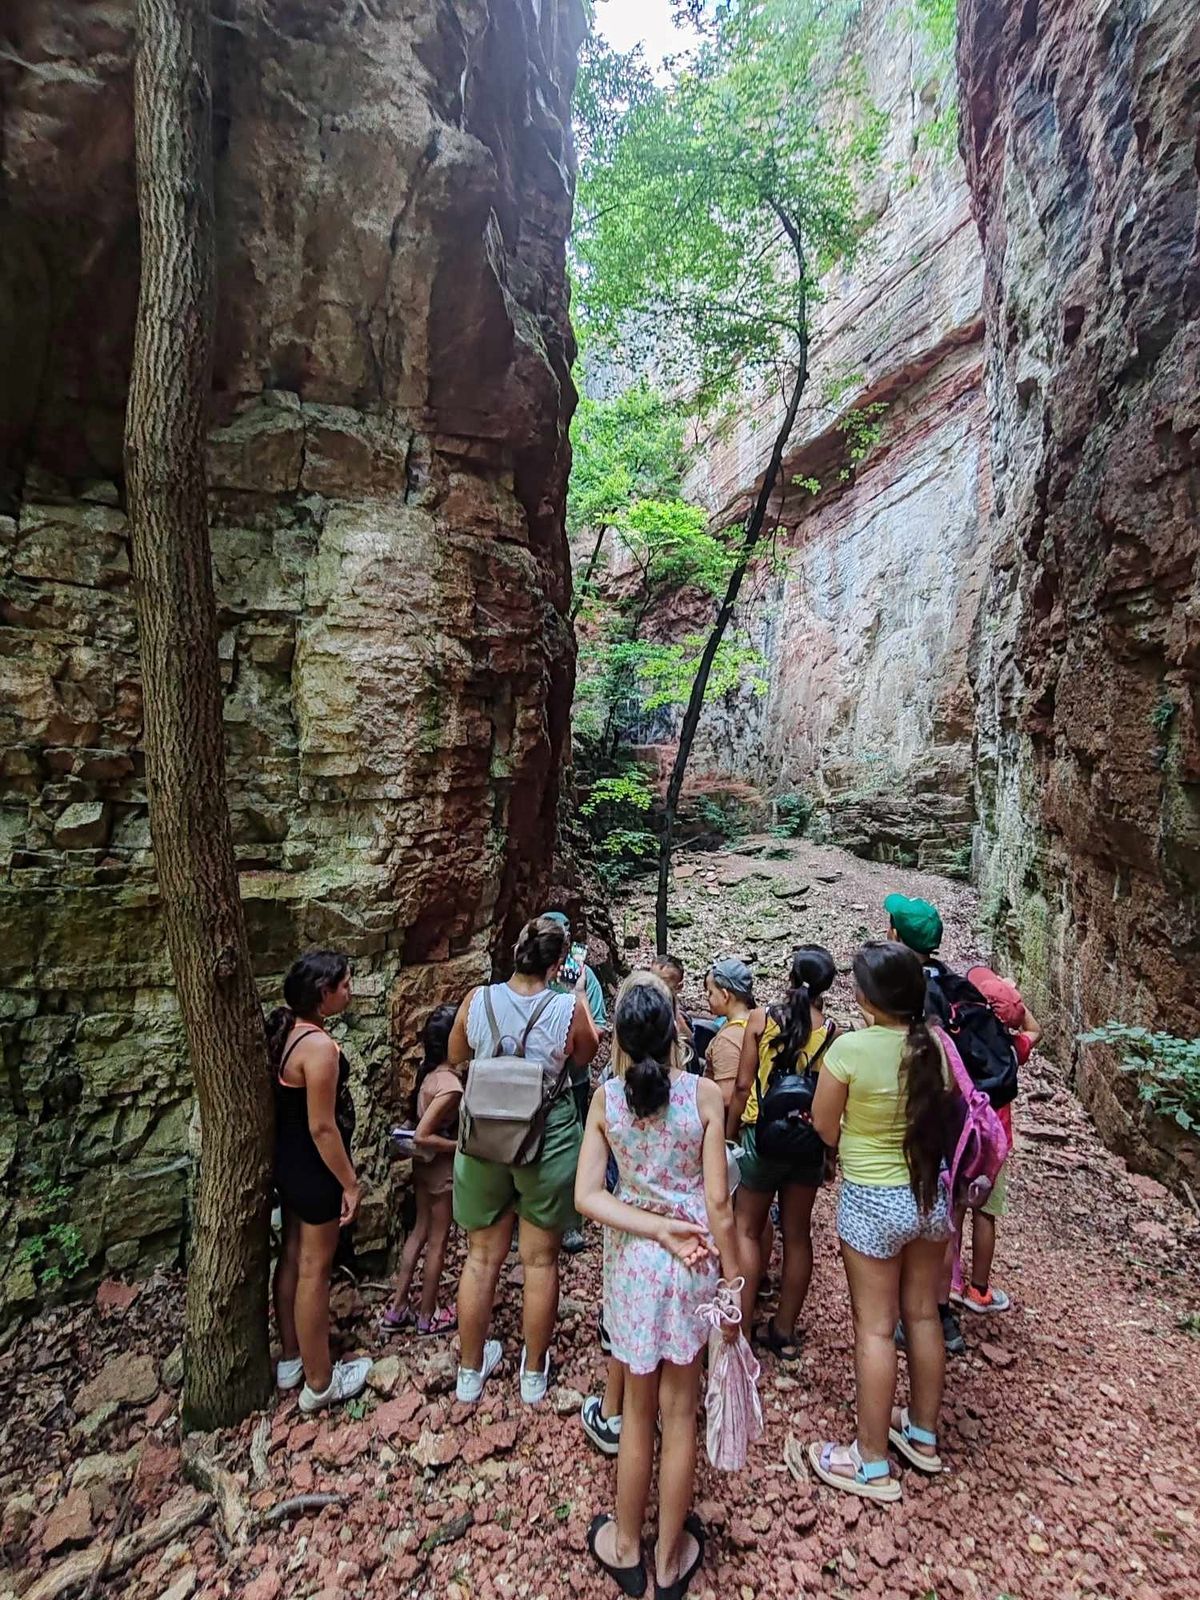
[691, 717]
[581, 586]
[227, 1368]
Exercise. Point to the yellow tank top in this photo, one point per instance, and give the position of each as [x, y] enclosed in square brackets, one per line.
[766, 1060]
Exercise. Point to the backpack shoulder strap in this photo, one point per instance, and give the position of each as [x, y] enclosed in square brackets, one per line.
[489, 1012]
[535, 1016]
[831, 1032]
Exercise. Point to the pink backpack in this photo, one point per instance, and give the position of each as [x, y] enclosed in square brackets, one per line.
[979, 1145]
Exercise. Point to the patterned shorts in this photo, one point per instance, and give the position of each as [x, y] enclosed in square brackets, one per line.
[880, 1222]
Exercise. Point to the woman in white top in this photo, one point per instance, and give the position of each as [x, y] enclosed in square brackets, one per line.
[488, 1195]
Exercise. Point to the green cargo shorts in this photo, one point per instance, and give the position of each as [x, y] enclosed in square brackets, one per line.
[542, 1193]
[764, 1176]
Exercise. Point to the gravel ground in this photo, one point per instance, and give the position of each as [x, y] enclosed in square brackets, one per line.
[1070, 1431]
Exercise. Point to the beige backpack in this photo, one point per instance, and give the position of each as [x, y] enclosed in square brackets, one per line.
[504, 1105]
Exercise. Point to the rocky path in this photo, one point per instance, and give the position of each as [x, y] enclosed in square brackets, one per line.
[1071, 1431]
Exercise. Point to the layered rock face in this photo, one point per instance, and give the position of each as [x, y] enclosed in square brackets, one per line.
[1080, 134]
[388, 467]
[866, 635]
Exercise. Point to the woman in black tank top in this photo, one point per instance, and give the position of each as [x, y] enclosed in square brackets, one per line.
[314, 1174]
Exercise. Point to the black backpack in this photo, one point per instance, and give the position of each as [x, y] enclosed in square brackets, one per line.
[784, 1130]
[983, 1042]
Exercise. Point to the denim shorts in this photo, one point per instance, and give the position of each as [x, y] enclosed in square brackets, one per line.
[881, 1222]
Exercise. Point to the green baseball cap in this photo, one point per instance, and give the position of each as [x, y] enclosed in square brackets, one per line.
[916, 922]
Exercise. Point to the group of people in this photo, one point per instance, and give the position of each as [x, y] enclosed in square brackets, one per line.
[679, 1155]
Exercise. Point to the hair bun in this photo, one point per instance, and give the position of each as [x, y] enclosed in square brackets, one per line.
[647, 1087]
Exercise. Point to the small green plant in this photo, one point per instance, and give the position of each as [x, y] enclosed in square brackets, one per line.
[1189, 1323]
[356, 1410]
[1163, 715]
[55, 1253]
[725, 817]
[793, 813]
[1167, 1069]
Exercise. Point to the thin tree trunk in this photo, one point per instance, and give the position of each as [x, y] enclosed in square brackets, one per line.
[691, 717]
[226, 1367]
[581, 587]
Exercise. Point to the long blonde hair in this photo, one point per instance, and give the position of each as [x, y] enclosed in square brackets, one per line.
[642, 977]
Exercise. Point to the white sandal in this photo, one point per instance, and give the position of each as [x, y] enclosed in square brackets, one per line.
[872, 1480]
[905, 1439]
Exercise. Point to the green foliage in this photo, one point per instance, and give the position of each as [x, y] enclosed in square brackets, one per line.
[615, 813]
[1167, 1069]
[626, 448]
[665, 672]
[862, 429]
[1163, 715]
[55, 1253]
[708, 207]
[728, 817]
[793, 813]
[1189, 1323]
[936, 22]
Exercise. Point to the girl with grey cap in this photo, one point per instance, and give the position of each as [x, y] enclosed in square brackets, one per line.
[729, 988]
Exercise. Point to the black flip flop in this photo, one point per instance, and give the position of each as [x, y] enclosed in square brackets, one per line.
[677, 1590]
[630, 1580]
[771, 1339]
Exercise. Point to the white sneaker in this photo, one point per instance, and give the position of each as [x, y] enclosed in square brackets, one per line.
[469, 1385]
[289, 1374]
[534, 1384]
[349, 1378]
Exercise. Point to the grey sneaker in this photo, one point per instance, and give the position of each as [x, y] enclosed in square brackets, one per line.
[469, 1385]
[534, 1384]
[604, 1432]
[349, 1379]
[289, 1374]
[573, 1241]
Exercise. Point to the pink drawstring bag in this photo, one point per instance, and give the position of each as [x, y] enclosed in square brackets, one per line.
[732, 1403]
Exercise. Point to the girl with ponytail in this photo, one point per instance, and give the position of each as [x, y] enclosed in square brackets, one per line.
[319, 1191]
[884, 1097]
[783, 1040]
[665, 1129]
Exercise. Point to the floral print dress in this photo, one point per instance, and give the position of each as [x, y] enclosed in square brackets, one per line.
[650, 1298]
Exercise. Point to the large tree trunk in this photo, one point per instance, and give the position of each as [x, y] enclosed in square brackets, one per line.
[227, 1367]
[691, 717]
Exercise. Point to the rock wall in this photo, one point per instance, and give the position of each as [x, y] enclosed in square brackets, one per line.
[866, 635]
[1081, 131]
[388, 465]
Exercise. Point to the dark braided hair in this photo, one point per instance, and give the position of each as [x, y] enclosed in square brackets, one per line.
[644, 1024]
[811, 973]
[435, 1041]
[892, 978]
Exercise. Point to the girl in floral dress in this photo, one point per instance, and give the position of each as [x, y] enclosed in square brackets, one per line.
[666, 1130]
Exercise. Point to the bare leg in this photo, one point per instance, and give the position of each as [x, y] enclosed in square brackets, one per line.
[678, 1395]
[875, 1298]
[287, 1273]
[983, 1248]
[318, 1245]
[539, 1256]
[411, 1253]
[920, 1281]
[751, 1210]
[795, 1209]
[435, 1251]
[486, 1250]
[620, 1542]
[614, 1390]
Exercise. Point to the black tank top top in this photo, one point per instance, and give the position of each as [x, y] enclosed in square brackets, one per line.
[291, 1102]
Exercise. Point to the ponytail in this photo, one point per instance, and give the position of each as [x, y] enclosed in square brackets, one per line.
[645, 1031]
[926, 1105]
[892, 978]
[647, 1087]
[812, 972]
[280, 1023]
[435, 1047]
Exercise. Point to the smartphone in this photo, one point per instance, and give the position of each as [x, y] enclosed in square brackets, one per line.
[576, 960]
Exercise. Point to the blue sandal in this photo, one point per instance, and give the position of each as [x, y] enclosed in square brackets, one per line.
[907, 1436]
[872, 1480]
